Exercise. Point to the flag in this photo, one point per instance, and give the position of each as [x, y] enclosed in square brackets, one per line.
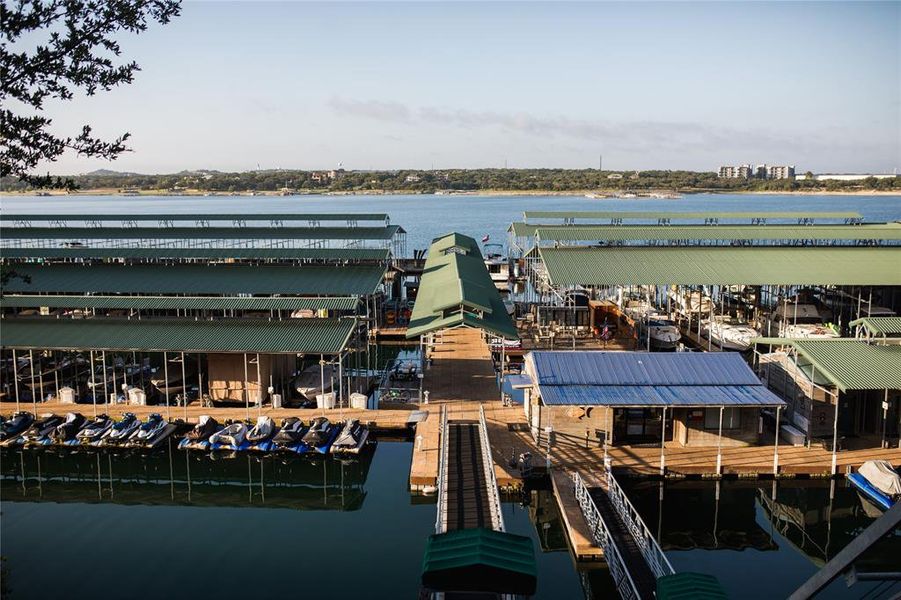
[486, 238]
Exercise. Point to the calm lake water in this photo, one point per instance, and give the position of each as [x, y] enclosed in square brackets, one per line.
[105, 526]
[425, 217]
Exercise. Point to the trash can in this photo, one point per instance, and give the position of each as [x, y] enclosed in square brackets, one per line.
[67, 395]
[324, 401]
[359, 401]
[276, 400]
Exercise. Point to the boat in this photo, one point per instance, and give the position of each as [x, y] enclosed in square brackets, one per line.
[497, 264]
[691, 302]
[39, 432]
[259, 435]
[232, 437]
[15, 426]
[290, 435]
[664, 333]
[314, 380]
[121, 430]
[879, 482]
[199, 437]
[729, 333]
[67, 431]
[150, 432]
[800, 321]
[320, 436]
[352, 438]
[95, 430]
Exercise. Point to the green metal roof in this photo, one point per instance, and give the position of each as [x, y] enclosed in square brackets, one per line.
[505, 561]
[206, 233]
[690, 586]
[455, 276]
[654, 215]
[318, 336]
[706, 265]
[148, 253]
[309, 280]
[854, 364]
[180, 302]
[879, 325]
[164, 217]
[878, 231]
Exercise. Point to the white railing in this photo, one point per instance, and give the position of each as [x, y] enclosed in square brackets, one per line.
[647, 543]
[440, 519]
[601, 535]
[494, 497]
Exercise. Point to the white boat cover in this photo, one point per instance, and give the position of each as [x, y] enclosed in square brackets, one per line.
[882, 475]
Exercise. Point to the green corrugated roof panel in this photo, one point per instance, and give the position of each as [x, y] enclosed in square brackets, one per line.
[879, 231]
[316, 336]
[854, 364]
[703, 265]
[91, 218]
[180, 302]
[879, 325]
[194, 233]
[346, 280]
[146, 253]
[654, 215]
[690, 586]
[479, 560]
[452, 280]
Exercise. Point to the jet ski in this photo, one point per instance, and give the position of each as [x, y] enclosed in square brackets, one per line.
[260, 434]
[66, 431]
[233, 437]
[289, 436]
[199, 437]
[352, 438]
[122, 430]
[149, 432]
[878, 482]
[39, 432]
[320, 436]
[15, 426]
[94, 431]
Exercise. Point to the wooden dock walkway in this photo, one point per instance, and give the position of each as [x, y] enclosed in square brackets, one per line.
[581, 543]
[461, 368]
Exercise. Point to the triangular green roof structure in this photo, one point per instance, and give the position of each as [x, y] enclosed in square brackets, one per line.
[480, 560]
[690, 586]
[456, 291]
[881, 326]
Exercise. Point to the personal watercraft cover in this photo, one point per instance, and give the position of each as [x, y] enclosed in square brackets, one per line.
[290, 433]
[882, 475]
[262, 431]
[66, 430]
[17, 424]
[232, 435]
[205, 427]
[318, 433]
[350, 435]
[41, 428]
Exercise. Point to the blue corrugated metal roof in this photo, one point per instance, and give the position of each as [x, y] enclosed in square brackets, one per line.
[647, 395]
[642, 368]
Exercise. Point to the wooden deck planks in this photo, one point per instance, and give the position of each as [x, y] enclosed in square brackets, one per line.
[581, 543]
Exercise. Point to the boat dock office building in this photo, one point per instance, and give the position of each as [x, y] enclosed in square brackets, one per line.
[227, 312]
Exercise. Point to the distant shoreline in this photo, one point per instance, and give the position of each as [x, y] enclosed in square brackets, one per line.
[493, 193]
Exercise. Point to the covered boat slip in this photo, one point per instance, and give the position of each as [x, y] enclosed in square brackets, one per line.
[710, 217]
[815, 376]
[167, 219]
[158, 254]
[622, 398]
[168, 303]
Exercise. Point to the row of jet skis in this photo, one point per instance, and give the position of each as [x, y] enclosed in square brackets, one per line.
[319, 436]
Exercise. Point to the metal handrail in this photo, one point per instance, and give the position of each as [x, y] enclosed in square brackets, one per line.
[490, 476]
[618, 569]
[442, 471]
[647, 543]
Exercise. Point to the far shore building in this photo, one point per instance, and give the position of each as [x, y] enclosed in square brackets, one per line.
[735, 172]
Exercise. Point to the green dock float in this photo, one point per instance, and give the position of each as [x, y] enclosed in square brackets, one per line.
[690, 586]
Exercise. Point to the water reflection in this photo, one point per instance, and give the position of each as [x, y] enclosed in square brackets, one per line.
[172, 477]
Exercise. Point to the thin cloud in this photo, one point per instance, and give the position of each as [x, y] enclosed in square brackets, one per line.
[394, 112]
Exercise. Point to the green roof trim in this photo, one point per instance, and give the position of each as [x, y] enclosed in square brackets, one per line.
[456, 290]
[317, 336]
[654, 215]
[480, 560]
[180, 302]
[205, 233]
[148, 253]
[163, 217]
[706, 265]
[616, 233]
[225, 279]
[884, 326]
[690, 586]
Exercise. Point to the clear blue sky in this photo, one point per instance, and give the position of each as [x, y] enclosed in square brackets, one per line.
[233, 85]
